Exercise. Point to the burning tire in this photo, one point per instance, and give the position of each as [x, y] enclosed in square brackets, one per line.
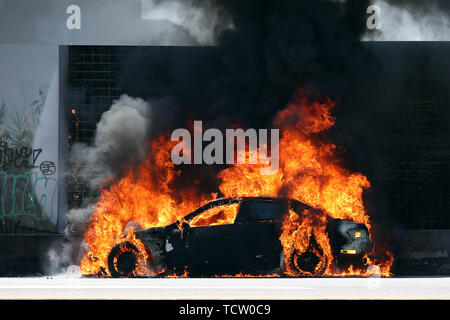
[310, 263]
[125, 260]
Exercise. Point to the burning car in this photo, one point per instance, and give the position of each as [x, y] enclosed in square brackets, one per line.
[243, 235]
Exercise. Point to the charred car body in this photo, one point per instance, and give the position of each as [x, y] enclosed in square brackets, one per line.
[249, 245]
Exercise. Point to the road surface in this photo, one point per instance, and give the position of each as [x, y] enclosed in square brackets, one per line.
[225, 288]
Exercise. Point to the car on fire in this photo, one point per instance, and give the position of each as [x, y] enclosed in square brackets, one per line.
[249, 245]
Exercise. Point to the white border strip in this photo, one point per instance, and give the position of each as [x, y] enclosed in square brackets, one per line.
[322, 288]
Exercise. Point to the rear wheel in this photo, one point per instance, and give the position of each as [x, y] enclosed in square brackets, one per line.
[125, 260]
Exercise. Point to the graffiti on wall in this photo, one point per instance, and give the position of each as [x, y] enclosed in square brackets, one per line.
[23, 190]
[20, 194]
[28, 179]
[24, 157]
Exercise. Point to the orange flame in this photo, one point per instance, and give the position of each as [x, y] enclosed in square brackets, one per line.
[216, 216]
[310, 171]
[143, 198]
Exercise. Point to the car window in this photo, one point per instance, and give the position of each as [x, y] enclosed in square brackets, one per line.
[261, 211]
[225, 214]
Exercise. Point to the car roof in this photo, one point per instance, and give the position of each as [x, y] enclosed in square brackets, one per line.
[233, 200]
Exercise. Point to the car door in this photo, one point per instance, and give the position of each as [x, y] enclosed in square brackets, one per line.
[257, 231]
[211, 247]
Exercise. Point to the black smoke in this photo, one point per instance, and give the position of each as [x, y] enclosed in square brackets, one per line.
[275, 48]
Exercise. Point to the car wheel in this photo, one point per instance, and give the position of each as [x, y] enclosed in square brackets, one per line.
[125, 260]
[309, 263]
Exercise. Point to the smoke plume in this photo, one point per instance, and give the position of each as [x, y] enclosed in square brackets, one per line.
[121, 139]
[412, 21]
[202, 19]
[273, 48]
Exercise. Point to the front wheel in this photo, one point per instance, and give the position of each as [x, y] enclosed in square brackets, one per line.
[125, 260]
[310, 263]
